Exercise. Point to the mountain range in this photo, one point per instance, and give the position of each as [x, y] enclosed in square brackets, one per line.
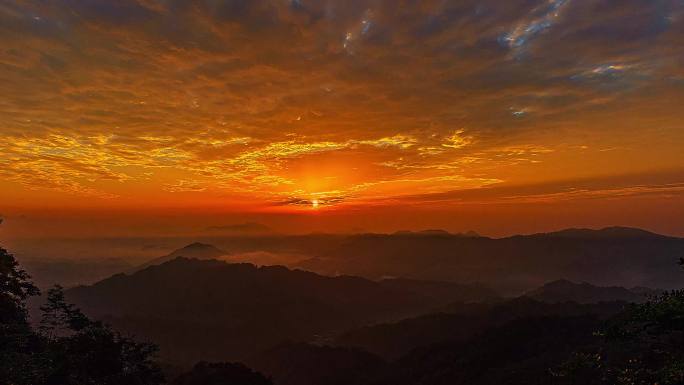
[305, 328]
[208, 309]
[376, 309]
[460, 322]
[614, 256]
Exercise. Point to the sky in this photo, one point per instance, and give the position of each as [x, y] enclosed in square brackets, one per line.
[151, 116]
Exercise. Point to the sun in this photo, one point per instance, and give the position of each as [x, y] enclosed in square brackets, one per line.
[314, 203]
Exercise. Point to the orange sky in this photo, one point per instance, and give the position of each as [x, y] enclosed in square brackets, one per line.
[121, 117]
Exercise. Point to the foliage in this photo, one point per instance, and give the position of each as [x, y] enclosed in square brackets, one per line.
[60, 317]
[643, 345]
[68, 348]
[15, 288]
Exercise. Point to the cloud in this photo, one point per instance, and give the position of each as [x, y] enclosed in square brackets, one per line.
[229, 99]
[399, 140]
[609, 187]
[540, 19]
[457, 140]
[321, 202]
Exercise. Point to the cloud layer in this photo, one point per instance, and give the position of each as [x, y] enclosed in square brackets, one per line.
[287, 101]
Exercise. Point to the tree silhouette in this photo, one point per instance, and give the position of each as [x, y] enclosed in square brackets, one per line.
[84, 351]
[68, 348]
[643, 345]
[15, 288]
[60, 317]
[17, 340]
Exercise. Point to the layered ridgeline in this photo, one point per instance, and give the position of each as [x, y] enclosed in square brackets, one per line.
[522, 351]
[460, 322]
[350, 330]
[615, 256]
[212, 310]
[563, 290]
[517, 341]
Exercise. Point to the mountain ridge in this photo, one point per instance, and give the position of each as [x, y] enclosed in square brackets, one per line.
[617, 256]
[615, 232]
[196, 250]
[564, 290]
[199, 308]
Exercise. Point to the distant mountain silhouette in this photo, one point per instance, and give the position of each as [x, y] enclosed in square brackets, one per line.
[564, 291]
[212, 310]
[437, 232]
[615, 232]
[195, 250]
[615, 256]
[433, 232]
[248, 228]
[72, 272]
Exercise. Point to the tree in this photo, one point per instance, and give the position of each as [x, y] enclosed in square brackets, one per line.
[82, 351]
[643, 345]
[17, 340]
[68, 348]
[60, 317]
[15, 288]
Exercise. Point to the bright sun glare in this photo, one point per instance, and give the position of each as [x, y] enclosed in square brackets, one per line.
[314, 203]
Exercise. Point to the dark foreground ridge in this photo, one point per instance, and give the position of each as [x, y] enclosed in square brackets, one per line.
[208, 309]
[516, 341]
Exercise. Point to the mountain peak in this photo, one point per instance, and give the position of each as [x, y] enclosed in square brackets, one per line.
[243, 303]
[195, 250]
[619, 232]
[197, 245]
[561, 283]
[198, 250]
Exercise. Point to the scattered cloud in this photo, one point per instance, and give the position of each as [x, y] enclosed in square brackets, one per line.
[111, 99]
[400, 141]
[663, 184]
